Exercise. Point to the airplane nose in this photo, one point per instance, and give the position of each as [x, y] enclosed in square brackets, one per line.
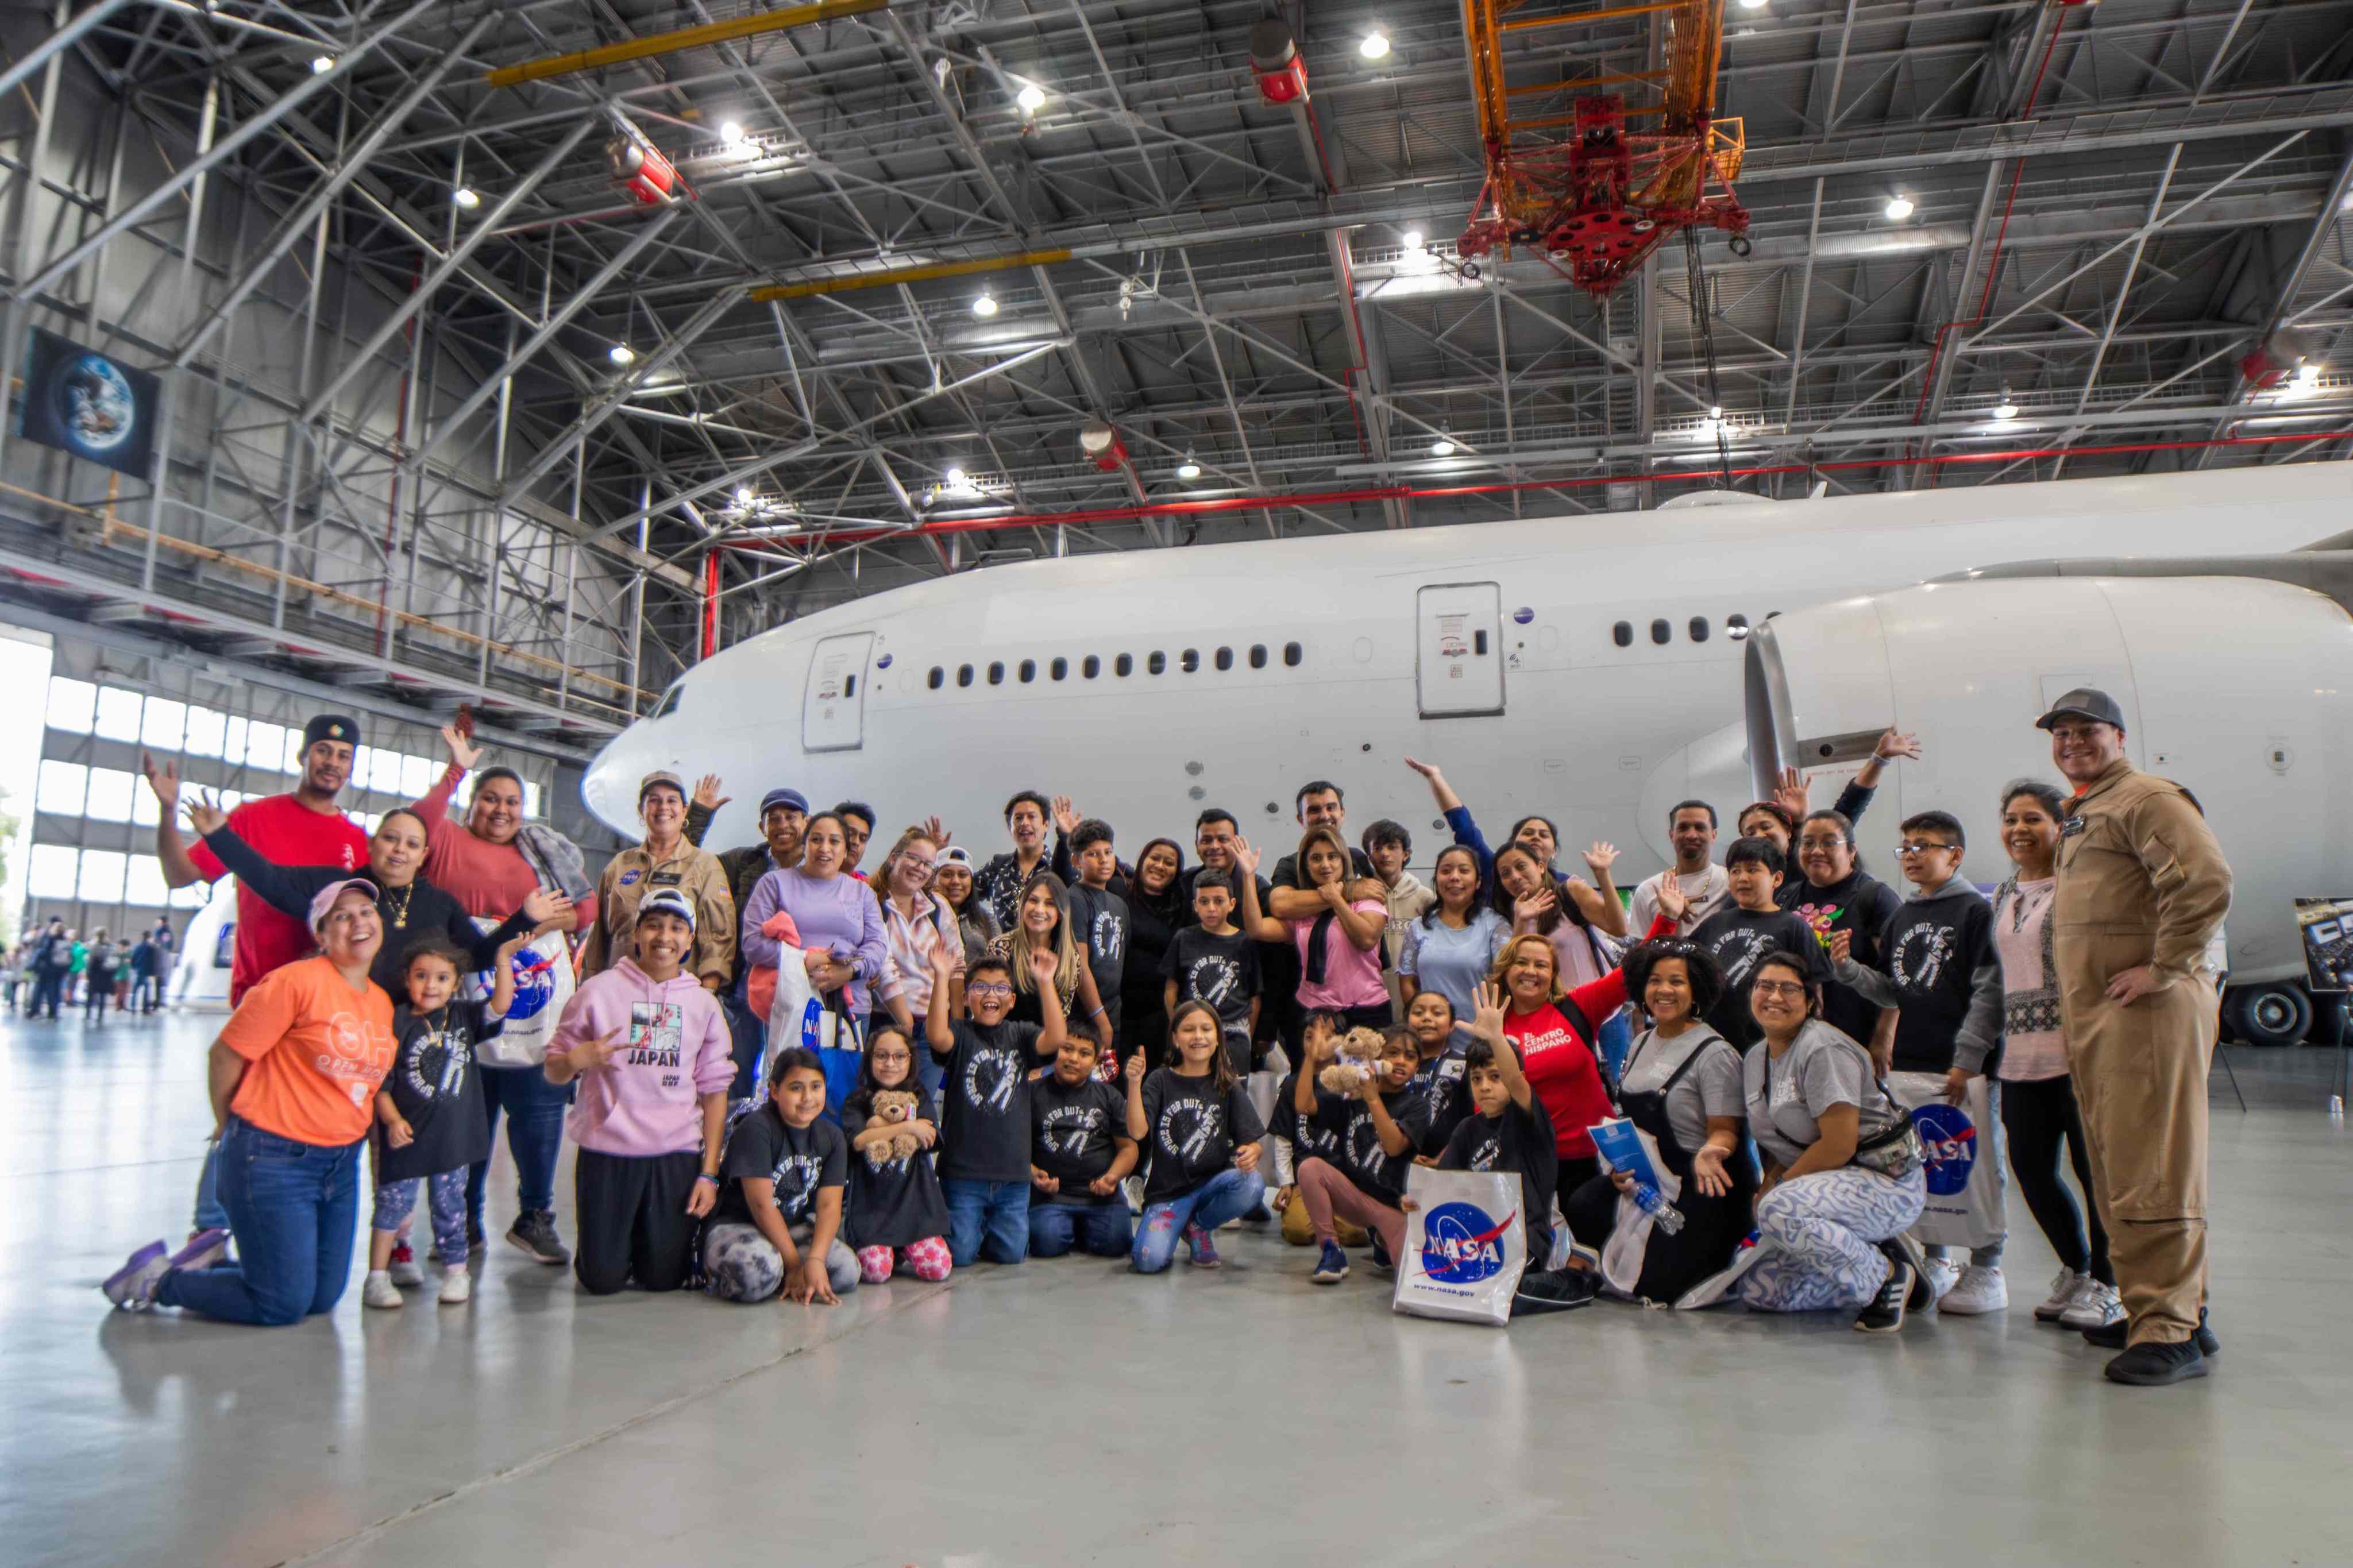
[605, 787]
[1713, 768]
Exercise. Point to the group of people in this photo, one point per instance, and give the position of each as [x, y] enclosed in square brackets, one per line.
[1059, 1049]
[54, 967]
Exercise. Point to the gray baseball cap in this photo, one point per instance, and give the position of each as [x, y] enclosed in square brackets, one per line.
[2084, 703]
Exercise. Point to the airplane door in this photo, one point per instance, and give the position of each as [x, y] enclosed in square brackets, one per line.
[1459, 650]
[833, 714]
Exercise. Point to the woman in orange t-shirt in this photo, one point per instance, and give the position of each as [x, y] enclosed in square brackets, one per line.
[294, 1076]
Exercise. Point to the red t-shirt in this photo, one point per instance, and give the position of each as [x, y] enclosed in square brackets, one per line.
[1562, 1067]
[487, 879]
[283, 830]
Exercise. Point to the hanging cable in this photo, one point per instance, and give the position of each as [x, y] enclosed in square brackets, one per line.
[1695, 274]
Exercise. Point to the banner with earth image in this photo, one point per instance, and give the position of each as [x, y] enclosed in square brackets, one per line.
[88, 404]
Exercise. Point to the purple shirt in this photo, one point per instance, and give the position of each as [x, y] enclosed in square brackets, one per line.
[836, 914]
[674, 1047]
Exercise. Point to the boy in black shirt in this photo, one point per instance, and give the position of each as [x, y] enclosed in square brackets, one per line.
[1747, 929]
[1079, 1154]
[1098, 912]
[777, 1224]
[1509, 1130]
[986, 1063]
[1217, 964]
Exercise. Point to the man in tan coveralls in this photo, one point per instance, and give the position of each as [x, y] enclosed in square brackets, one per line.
[2142, 886]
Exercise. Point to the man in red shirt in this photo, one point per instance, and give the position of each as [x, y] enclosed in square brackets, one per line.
[302, 827]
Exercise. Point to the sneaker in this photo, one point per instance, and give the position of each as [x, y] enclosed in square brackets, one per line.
[533, 1232]
[2066, 1288]
[1980, 1289]
[379, 1290]
[2113, 1336]
[2096, 1306]
[2152, 1365]
[204, 1249]
[1204, 1251]
[1381, 1259]
[1259, 1214]
[132, 1286]
[1883, 1314]
[1331, 1265]
[1907, 1249]
[1940, 1275]
[403, 1270]
[457, 1286]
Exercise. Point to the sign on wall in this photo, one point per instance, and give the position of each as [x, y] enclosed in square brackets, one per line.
[90, 403]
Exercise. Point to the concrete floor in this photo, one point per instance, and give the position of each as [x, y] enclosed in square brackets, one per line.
[1069, 1413]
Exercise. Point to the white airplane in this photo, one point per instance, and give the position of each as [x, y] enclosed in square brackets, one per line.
[1595, 668]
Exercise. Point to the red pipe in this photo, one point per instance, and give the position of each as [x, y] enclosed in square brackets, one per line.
[710, 604]
[1209, 506]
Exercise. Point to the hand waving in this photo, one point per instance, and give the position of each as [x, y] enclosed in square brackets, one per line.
[203, 816]
[1599, 860]
[1066, 816]
[1487, 1010]
[1790, 794]
[462, 752]
[1672, 902]
[163, 778]
[1897, 743]
[706, 792]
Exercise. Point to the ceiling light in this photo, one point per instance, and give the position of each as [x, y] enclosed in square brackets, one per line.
[732, 134]
[621, 354]
[321, 64]
[743, 495]
[1753, 5]
[1413, 239]
[2307, 377]
[984, 303]
[957, 479]
[1031, 98]
[1715, 413]
[1443, 447]
[466, 197]
[1188, 469]
[2007, 407]
[1899, 207]
[1374, 46]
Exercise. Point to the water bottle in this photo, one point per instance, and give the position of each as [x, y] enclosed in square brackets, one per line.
[1663, 1214]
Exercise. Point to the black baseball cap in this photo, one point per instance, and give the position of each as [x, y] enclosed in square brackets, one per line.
[2084, 703]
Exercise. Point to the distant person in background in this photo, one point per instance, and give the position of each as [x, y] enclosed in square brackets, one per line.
[77, 965]
[166, 945]
[1691, 829]
[663, 862]
[12, 968]
[142, 974]
[99, 989]
[52, 954]
[856, 832]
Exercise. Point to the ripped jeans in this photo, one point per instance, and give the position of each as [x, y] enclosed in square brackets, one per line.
[1228, 1195]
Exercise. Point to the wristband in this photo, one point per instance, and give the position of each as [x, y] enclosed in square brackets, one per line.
[707, 1176]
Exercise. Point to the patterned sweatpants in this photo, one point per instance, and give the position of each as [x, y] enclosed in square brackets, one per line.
[1822, 1232]
[740, 1265]
[926, 1259]
[444, 1201]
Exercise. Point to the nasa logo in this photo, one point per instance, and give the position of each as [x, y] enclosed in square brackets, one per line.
[534, 976]
[1523, 615]
[628, 877]
[1950, 1140]
[1460, 1244]
[882, 663]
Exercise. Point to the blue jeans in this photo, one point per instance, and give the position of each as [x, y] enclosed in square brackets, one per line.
[48, 984]
[994, 1212]
[534, 1109]
[210, 1215]
[1101, 1229]
[1228, 1195]
[293, 1209]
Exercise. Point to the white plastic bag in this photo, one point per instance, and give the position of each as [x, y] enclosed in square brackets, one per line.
[1465, 1247]
[1968, 1188]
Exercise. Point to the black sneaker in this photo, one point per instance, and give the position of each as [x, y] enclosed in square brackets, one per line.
[1883, 1314]
[2153, 1363]
[473, 1230]
[533, 1231]
[1381, 1259]
[2114, 1337]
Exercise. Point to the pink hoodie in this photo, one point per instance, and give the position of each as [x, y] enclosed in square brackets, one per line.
[675, 1046]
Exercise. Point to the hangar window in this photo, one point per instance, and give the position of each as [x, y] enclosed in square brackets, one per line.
[1124, 664]
[1257, 656]
[1699, 629]
[996, 672]
[1293, 653]
[964, 675]
[939, 677]
[1225, 659]
[1029, 670]
[1157, 664]
[1059, 669]
[1091, 667]
[1191, 660]
[1622, 634]
[1661, 631]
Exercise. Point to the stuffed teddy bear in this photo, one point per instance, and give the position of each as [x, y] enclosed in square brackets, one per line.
[892, 1106]
[1359, 1058]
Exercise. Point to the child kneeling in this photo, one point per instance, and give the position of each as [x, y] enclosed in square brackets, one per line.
[898, 1221]
[778, 1223]
[1378, 1129]
[1205, 1143]
[1079, 1154]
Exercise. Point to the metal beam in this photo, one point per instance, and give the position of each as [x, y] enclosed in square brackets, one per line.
[658, 44]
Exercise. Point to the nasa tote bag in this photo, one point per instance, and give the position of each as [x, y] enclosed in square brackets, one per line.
[543, 982]
[1967, 1189]
[1465, 1247]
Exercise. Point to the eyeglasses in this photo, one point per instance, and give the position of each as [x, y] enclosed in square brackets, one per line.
[988, 988]
[1817, 841]
[1777, 988]
[912, 864]
[1918, 847]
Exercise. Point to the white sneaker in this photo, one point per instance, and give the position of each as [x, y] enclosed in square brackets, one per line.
[2064, 1288]
[457, 1286]
[2096, 1306]
[379, 1290]
[404, 1269]
[1941, 1274]
[1978, 1290]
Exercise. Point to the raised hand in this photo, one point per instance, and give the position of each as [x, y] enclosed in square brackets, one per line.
[935, 831]
[1042, 966]
[541, 905]
[1245, 857]
[1672, 902]
[1599, 860]
[1841, 946]
[1487, 1010]
[1136, 1070]
[1427, 770]
[942, 963]
[462, 752]
[1897, 743]
[1790, 794]
[1531, 905]
[1066, 816]
[706, 792]
[203, 816]
[163, 778]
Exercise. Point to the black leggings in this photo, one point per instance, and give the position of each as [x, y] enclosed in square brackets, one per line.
[2038, 1113]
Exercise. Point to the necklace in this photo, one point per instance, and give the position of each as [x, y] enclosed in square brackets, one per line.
[400, 905]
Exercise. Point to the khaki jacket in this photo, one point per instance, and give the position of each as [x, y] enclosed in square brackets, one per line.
[2141, 880]
[633, 873]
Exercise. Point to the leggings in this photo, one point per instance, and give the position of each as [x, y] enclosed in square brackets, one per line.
[444, 1201]
[2039, 1114]
[1328, 1194]
[740, 1264]
[926, 1259]
[1823, 1231]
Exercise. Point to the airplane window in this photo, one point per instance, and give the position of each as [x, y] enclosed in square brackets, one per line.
[964, 675]
[1257, 656]
[849, 686]
[1699, 629]
[1157, 664]
[938, 676]
[997, 669]
[1623, 634]
[1225, 659]
[1293, 653]
[1091, 667]
[1479, 644]
[1660, 632]
[669, 701]
[1124, 664]
[1059, 669]
[1191, 661]
[1029, 670]
[1736, 622]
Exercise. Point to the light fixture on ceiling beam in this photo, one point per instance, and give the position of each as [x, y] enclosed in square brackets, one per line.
[1188, 469]
[1374, 46]
[1031, 98]
[621, 355]
[1444, 446]
[732, 134]
[984, 304]
[1899, 207]
[321, 64]
[466, 198]
[2007, 409]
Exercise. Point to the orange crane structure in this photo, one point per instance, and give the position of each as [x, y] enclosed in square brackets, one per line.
[1598, 199]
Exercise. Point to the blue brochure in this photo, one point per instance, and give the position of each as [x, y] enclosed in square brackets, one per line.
[1622, 1150]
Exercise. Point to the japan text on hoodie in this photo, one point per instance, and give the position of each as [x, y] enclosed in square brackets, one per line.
[1938, 968]
[674, 1046]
